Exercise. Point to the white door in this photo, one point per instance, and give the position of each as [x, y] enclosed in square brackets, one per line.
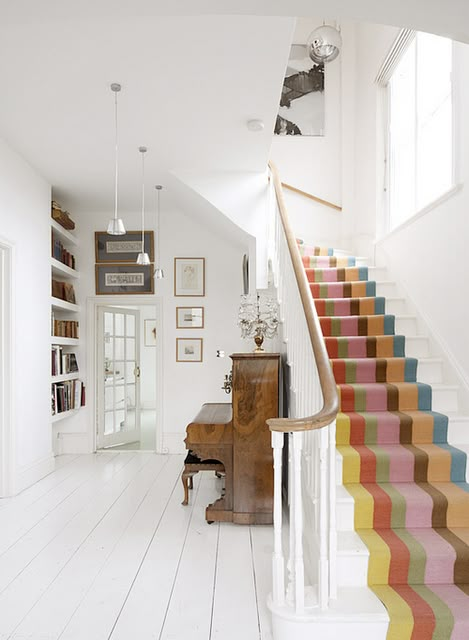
[118, 375]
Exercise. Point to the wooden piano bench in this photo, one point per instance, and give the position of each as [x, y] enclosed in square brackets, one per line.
[192, 465]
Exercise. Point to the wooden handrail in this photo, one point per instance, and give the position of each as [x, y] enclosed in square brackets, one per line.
[328, 385]
[311, 197]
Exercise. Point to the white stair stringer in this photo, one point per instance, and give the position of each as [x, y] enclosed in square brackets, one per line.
[356, 614]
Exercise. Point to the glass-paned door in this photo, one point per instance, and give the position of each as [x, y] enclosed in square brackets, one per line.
[118, 376]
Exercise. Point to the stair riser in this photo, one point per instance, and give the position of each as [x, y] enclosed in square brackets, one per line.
[458, 431]
[429, 372]
[396, 306]
[417, 347]
[352, 569]
[332, 629]
[445, 400]
[386, 289]
[406, 326]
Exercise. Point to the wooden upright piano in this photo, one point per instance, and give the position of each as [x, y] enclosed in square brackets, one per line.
[238, 437]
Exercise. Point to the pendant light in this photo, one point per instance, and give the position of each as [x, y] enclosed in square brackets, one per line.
[159, 274]
[116, 226]
[143, 257]
[323, 44]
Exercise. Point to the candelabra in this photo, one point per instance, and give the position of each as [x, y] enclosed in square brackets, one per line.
[258, 318]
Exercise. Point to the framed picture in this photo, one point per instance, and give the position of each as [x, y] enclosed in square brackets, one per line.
[150, 332]
[125, 279]
[189, 317]
[189, 276]
[301, 111]
[123, 248]
[189, 349]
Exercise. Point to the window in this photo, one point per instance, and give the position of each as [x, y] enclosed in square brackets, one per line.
[421, 126]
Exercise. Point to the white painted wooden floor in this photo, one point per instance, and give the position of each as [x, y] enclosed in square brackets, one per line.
[103, 549]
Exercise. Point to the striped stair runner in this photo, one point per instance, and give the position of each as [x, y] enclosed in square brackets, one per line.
[408, 484]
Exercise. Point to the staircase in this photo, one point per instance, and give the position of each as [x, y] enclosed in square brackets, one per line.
[402, 496]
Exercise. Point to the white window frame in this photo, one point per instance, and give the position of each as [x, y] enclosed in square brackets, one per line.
[398, 49]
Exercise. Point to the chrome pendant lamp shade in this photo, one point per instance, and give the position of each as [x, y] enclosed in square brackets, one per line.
[159, 274]
[143, 257]
[116, 226]
[323, 44]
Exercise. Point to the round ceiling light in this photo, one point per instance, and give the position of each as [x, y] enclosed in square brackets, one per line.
[323, 44]
[255, 125]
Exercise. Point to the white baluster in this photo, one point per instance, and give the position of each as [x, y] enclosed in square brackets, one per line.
[298, 524]
[278, 561]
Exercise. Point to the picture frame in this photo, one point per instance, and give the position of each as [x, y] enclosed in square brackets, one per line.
[124, 279]
[189, 277]
[150, 332]
[190, 317]
[189, 349]
[302, 102]
[125, 248]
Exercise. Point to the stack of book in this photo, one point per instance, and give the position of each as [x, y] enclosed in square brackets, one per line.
[60, 253]
[62, 363]
[61, 216]
[65, 328]
[63, 291]
[67, 396]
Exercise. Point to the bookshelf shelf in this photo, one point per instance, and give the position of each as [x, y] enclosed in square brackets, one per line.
[63, 305]
[62, 270]
[64, 414]
[64, 342]
[67, 390]
[66, 376]
[63, 234]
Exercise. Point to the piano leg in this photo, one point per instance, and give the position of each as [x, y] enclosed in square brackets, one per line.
[187, 483]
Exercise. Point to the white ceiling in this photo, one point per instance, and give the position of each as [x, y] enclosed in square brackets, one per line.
[191, 79]
[189, 84]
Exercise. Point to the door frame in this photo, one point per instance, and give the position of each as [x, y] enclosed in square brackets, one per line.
[7, 405]
[92, 336]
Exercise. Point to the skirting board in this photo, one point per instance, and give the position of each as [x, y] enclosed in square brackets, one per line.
[173, 443]
[31, 473]
[72, 443]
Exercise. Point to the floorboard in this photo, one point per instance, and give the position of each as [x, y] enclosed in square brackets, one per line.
[102, 549]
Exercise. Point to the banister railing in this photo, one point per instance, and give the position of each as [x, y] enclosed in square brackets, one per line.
[307, 577]
[317, 199]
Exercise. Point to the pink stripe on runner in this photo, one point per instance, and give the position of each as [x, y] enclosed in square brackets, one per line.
[349, 326]
[366, 371]
[335, 290]
[376, 397]
[458, 603]
[389, 428]
[342, 307]
[329, 275]
[401, 463]
[356, 347]
[441, 556]
[419, 505]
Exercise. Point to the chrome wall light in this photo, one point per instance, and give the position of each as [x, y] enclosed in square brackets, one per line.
[323, 44]
[143, 257]
[159, 274]
[116, 226]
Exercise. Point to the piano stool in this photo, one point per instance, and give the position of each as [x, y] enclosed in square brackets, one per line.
[192, 465]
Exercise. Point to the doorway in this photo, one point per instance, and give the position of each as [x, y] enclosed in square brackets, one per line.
[127, 377]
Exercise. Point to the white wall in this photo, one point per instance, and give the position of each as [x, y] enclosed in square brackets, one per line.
[184, 386]
[315, 164]
[25, 223]
[427, 256]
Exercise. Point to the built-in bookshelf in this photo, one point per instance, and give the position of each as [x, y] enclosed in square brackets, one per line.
[67, 389]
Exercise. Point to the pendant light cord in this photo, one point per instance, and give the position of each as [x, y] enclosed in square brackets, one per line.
[143, 197]
[158, 228]
[116, 175]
